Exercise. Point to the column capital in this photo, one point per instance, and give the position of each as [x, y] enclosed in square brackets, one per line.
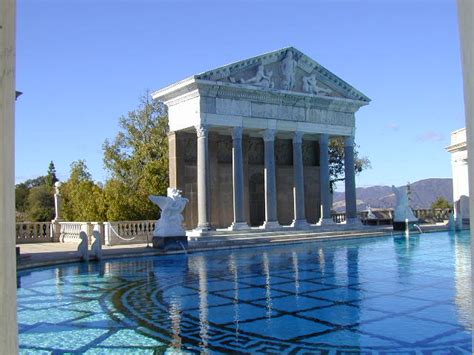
[298, 137]
[237, 132]
[349, 141]
[201, 130]
[324, 139]
[269, 135]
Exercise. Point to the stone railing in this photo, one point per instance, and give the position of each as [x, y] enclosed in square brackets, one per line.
[136, 232]
[33, 232]
[338, 217]
[69, 231]
[425, 215]
[128, 232]
[429, 215]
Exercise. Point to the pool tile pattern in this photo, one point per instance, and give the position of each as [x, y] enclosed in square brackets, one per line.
[369, 296]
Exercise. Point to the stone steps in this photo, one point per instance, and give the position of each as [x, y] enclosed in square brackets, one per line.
[218, 239]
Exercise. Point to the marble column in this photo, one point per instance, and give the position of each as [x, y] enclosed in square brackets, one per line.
[324, 180]
[298, 183]
[350, 187]
[8, 318]
[238, 180]
[271, 202]
[202, 179]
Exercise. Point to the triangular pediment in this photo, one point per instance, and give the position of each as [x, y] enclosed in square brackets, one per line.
[286, 69]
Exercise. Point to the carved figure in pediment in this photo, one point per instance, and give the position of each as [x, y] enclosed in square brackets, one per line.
[262, 78]
[310, 85]
[288, 68]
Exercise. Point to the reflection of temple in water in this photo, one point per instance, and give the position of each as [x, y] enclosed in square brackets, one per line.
[462, 277]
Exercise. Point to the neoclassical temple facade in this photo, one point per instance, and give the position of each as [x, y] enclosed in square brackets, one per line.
[249, 141]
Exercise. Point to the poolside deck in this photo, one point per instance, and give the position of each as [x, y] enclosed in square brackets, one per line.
[43, 254]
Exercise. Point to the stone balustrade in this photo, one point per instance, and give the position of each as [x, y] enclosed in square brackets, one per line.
[429, 215]
[338, 217]
[128, 232]
[33, 232]
[136, 232]
[69, 231]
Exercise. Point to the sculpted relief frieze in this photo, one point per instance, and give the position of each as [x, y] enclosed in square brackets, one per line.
[288, 72]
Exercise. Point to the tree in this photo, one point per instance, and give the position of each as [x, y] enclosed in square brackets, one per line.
[137, 160]
[40, 204]
[83, 200]
[336, 162]
[441, 203]
[51, 178]
[34, 199]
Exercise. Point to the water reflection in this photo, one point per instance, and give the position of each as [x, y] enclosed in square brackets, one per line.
[294, 257]
[268, 285]
[315, 293]
[463, 280]
[203, 305]
[234, 270]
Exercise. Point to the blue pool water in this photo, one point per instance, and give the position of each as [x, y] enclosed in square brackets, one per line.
[374, 295]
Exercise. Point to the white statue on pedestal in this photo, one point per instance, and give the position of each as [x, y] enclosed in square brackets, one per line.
[403, 212]
[170, 223]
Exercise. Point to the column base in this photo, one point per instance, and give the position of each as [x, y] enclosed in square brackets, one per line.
[270, 225]
[353, 222]
[300, 224]
[199, 231]
[238, 226]
[326, 222]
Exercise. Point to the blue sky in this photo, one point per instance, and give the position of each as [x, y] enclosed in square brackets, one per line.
[83, 64]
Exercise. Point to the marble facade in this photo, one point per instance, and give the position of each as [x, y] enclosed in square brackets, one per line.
[249, 142]
[459, 164]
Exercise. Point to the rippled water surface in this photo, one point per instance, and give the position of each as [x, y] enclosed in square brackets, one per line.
[376, 295]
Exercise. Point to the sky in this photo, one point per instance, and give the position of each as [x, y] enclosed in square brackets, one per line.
[83, 64]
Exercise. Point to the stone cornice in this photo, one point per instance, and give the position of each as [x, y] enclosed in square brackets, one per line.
[457, 147]
[175, 90]
[193, 87]
[271, 96]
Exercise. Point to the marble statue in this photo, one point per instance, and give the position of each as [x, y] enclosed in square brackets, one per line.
[82, 248]
[288, 69]
[403, 211]
[370, 213]
[57, 201]
[96, 247]
[170, 223]
[262, 78]
[310, 85]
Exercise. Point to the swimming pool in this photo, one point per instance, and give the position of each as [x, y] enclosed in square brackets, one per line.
[375, 295]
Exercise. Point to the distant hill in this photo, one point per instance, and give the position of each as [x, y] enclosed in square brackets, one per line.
[423, 194]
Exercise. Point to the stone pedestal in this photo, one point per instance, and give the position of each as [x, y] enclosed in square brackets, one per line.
[401, 226]
[171, 243]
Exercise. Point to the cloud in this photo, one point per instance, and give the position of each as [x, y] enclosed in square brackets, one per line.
[430, 136]
[393, 126]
